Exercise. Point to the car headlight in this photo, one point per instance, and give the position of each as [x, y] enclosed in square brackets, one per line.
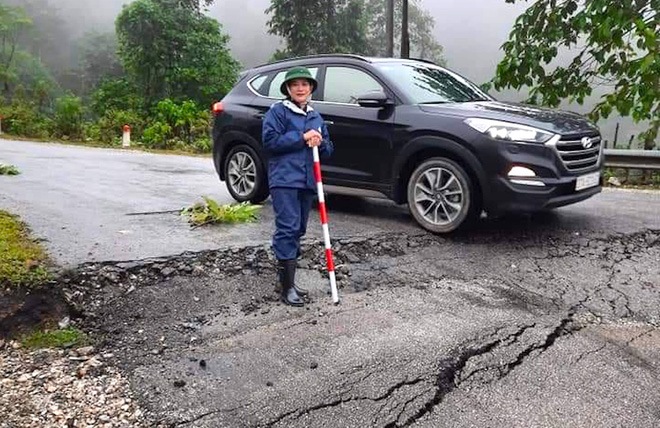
[507, 131]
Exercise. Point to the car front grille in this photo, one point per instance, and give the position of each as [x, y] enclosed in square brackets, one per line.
[575, 155]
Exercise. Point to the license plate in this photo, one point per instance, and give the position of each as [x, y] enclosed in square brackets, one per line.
[586, 181]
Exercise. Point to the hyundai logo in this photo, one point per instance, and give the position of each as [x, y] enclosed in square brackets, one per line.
[587, 142]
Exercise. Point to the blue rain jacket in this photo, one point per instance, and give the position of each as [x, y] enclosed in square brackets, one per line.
[291, 163]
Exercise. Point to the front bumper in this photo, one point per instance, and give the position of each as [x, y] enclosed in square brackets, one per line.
[519, 197]
[545, 182]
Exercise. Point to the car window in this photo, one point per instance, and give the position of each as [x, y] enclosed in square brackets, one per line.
[430, 84]
[346, 85]
[274, 91]
[258, 83]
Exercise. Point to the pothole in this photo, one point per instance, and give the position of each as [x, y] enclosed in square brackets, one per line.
[23, 311]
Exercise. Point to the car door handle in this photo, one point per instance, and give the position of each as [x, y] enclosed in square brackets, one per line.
[259, 115]
[329, 122]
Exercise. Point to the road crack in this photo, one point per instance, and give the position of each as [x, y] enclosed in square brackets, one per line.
[451, 370]
[295, 414]
[207, 414]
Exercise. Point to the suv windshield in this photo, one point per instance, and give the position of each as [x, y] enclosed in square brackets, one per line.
[429, 84]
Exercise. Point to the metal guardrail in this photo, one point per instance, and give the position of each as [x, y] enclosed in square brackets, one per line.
[632, 159]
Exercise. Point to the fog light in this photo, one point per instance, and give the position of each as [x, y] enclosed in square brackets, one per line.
[524, 176]
[521, 171]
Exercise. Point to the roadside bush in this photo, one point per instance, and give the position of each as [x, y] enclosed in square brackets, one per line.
[69, 117]
[188, 123]
[91, 131]
[158, 135]
[202, 145]
[111, 124]
[23, 119]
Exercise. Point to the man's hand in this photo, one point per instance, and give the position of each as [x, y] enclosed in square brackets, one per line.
[313, 138]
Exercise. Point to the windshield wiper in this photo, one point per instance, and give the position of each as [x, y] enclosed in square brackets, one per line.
[435, 102]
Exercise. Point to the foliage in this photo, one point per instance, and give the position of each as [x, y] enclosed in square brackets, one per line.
[13, 20]
[176, 124]
[202, 145]
[339, 26]
[29, 79]
[185, 118]
[23, 118]
[349, 26]
[210, 212]
[50, 40]
[421, 24]
[111, 124]
[158, 135]
[616, 46]
[115, 94]
[69, 117]
[170, 49]
[21, 259]
[98, 60]
[8, 169]
[62, 338]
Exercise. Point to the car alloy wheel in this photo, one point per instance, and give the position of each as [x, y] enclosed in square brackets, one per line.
[242, 174]
[439, 195]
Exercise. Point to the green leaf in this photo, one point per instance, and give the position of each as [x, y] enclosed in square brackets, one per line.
[615, 45]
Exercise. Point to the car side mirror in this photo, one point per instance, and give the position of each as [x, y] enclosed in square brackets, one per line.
[374, 99]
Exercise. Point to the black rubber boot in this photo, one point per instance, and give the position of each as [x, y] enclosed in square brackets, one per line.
[289, 294]
[280, 276]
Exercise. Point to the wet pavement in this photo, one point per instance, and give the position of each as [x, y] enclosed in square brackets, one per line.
[91, 204]
[550, 320]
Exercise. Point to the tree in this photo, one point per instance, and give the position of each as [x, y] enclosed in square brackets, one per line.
[349, 26]
[421, 23]
[13, 21]
[98, 60]
[338, 26]
[615, 46]
[170, 49]
[49, 39]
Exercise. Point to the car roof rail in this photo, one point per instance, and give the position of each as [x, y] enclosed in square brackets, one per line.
[316, 56]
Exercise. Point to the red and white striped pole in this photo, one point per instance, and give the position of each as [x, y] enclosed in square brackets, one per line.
[324, 223]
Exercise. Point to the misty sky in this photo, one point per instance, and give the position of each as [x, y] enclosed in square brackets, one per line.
[471, 32]
[477, 27]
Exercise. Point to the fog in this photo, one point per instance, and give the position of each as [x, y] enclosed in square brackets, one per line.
[471, 32]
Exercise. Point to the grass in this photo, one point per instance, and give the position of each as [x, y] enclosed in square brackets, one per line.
[8, 170]
[22, 260]
[210, 212]
[61, 338]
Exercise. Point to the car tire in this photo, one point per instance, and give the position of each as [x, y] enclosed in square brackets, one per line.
[441, 196]
[245, 175]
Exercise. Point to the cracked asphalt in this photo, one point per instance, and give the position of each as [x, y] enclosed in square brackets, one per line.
[525, 321]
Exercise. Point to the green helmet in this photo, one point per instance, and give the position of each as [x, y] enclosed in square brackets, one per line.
[297, 73]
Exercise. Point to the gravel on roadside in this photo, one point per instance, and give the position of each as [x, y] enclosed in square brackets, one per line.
[63, 388]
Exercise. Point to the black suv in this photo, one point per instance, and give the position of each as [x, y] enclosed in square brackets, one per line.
[418, 134]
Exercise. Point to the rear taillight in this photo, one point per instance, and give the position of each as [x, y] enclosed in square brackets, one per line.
[218, 108]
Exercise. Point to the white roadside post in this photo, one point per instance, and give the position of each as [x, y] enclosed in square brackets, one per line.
[126, 137]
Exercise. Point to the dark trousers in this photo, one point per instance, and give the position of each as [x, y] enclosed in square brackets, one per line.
[291, 207]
